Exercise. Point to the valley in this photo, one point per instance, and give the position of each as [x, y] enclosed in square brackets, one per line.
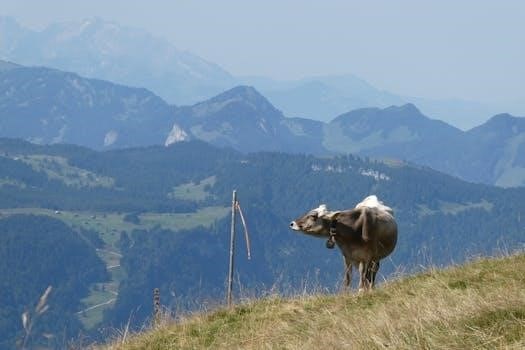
[109, 227]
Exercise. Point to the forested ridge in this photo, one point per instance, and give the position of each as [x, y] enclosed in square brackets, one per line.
[37, 252]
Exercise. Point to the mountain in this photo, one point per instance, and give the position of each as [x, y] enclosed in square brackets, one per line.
[105, 50]
[50, 106]
[401, 132]
[101, 49]
[45, 106]
[493, 152]
[323, 97]
[489, 153]
[243, 119]
[5, 66]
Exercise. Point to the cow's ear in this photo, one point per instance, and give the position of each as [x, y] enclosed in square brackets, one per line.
[331, 215]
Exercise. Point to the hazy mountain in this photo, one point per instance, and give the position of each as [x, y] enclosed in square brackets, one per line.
[105, 50]
[101, 49]
[49, 106]
[243, 119]
[324, 97]
[491, 153]
[5, 66]
[390, 132]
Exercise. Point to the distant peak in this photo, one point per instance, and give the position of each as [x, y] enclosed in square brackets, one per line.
[503, 119]
[503, 116]
[406, 108]
[243, 92]
[502, 122]
[6, 65]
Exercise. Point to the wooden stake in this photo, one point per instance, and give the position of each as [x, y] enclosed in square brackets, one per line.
[232, 249]
[156, 306]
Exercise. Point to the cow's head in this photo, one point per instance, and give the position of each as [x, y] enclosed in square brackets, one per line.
[316, 222]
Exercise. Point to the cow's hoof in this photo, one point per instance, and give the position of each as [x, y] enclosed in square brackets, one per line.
[361, 290]
[330, 244]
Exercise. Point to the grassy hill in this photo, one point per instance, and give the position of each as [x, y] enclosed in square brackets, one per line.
[478, 305]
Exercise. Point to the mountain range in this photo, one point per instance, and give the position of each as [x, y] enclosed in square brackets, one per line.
[106, 50]
[102, 49]
[323, 97]
[50, 106]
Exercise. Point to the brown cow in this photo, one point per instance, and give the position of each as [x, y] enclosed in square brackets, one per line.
[365, 235]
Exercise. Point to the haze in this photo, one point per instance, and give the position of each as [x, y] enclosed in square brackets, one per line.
[442, 49]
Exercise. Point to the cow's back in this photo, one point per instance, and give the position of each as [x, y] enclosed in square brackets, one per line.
[384, 228]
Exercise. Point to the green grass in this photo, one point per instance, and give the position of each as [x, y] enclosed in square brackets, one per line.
[58, 168]
[99, 294]
[193, 191]
[452, 208]
[205, 217]
[456, 208]
[109, 225]
[477, 306]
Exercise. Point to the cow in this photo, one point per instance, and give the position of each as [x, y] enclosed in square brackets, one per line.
[365, 235]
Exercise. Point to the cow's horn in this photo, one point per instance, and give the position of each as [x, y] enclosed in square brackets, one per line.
[331, 215]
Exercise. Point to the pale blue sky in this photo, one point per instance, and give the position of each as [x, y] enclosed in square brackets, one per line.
[437, 49]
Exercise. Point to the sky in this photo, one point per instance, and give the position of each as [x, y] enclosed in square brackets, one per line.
[472, 50]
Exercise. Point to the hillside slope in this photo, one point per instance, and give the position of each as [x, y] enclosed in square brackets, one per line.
[479, 305]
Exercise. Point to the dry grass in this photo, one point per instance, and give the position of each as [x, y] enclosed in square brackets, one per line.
[477, 306]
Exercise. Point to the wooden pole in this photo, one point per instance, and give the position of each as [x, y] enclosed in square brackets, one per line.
[156, 306]
[232, 249]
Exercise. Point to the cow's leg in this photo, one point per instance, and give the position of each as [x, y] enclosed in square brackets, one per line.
[347, 280]
[363, 282]
[369, 273]
[372, 272]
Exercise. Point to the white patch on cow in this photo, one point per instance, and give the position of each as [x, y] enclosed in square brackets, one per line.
[373, 202]
[321, 210]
